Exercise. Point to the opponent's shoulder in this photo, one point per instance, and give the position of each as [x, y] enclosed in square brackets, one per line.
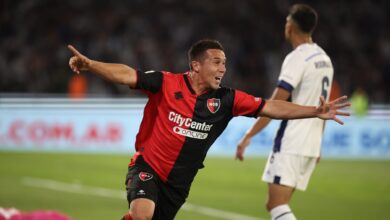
[294, 56]
[309, 51]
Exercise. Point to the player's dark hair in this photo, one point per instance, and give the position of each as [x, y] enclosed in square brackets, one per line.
[198, 49]
[304, 16]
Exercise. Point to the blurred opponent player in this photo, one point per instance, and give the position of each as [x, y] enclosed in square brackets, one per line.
[306, 73]
[184, 115]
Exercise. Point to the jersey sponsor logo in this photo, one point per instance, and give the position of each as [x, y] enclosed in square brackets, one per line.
[188, 122]
[213, 105]
[144, 176]
[188, 127]
[190, 133]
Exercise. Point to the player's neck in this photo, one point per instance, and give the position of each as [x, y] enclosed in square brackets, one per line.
[196, 84]
[301, 39]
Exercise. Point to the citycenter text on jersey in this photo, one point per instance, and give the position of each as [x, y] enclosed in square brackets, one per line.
[189, 123]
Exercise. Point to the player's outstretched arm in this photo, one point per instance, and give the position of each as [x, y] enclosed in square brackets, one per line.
[287, 110]
[118, 73]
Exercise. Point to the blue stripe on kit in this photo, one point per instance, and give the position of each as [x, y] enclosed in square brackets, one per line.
[313, 55]
[279, 136]
[280, 133]
[285, 85]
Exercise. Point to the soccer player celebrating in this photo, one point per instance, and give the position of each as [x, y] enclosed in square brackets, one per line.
[307, 73]
[184, 115]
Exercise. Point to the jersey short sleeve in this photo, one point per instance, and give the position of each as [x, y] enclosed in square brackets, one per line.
[292, 72]
[247, 105]
[150, 81]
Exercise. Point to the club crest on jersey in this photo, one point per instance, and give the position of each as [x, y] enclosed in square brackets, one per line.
[144, 176]
[213, 105]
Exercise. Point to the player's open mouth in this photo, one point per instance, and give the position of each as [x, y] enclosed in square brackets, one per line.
[218, 78]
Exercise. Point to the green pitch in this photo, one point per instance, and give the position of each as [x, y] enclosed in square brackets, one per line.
[92, 187]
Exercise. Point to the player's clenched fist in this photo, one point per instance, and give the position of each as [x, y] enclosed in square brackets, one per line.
[78, 62]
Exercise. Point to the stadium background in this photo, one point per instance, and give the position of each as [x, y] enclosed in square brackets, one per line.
[65, 141]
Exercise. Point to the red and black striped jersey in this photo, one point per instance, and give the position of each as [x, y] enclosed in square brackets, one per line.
[178, 126]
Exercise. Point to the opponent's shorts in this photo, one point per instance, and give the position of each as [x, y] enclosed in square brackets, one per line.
[289, 170]
[143, 182]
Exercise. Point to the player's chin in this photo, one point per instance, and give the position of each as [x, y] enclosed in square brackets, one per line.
[215, 86]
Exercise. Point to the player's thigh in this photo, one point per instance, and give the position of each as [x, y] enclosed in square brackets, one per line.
[282, 169]
[142, 190]
[142, 208]
[170, 201]
[308, 165]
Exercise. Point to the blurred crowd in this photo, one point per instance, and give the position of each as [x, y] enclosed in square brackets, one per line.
[147, 34]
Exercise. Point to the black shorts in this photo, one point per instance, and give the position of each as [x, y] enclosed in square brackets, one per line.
[143, 182]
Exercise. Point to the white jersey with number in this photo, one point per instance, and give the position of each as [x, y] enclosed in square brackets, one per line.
[307, 72]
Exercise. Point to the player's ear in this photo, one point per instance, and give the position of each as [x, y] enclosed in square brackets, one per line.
[288, 29]
[195, 66]
[294, 28]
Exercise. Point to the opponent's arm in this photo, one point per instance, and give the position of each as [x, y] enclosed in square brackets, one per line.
[117, 73]
[286, 110]
[260, 124]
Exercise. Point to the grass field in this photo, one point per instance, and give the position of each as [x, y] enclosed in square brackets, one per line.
[91, 187]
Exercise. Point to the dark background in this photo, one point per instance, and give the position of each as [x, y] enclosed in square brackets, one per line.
[156, 35]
